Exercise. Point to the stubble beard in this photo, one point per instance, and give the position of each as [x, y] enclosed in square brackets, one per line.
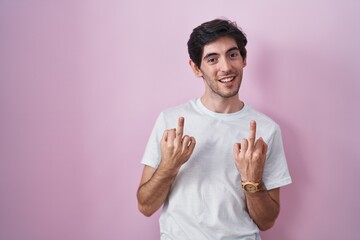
[215, 89]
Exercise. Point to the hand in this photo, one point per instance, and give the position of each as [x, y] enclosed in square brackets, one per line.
[176, 149]
[250, 156]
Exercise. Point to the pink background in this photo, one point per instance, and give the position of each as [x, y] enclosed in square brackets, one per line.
[81, 83]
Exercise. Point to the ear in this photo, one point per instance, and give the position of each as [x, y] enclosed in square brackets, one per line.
[245, 62]
[195, 69]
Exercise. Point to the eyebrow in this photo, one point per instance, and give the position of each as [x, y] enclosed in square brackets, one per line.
[213, 54]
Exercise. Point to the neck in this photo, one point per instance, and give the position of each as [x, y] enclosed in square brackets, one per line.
[223, 105]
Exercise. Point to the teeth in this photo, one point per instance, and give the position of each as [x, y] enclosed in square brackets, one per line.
[225, 80]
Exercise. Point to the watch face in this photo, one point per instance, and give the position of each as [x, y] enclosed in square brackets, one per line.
[250, 188]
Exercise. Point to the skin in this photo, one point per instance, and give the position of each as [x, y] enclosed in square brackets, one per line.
[221, 61]
[155, 184]
[250, 155]
[221, 70]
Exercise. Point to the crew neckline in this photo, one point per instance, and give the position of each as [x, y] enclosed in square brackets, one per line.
[207, 111]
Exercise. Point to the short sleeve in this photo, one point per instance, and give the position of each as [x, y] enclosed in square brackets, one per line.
[276, 172]
[152, 154]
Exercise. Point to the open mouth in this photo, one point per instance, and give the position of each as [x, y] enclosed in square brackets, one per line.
[227, 79]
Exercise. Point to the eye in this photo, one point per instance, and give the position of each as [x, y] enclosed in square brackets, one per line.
[234, 54]
[211, 60]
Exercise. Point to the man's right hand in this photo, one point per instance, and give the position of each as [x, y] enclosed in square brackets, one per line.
[176, 148]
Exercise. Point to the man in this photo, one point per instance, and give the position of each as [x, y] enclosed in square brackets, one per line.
[211, 185]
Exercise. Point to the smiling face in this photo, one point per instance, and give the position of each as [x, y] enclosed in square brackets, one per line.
[221, 68]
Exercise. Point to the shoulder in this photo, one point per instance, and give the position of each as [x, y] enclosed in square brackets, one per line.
[170, 115]
[179, 110]
[181, 107]
[263, 121]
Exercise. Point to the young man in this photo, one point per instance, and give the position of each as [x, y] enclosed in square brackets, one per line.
[214, 177]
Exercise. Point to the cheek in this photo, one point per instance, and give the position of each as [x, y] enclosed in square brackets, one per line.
[209, 73]
[208, 78]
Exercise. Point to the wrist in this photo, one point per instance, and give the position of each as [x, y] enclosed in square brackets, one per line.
[253, 186]
[165, 172]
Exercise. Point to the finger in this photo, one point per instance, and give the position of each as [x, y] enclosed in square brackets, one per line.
[171, 135]
[260, 147]
[180, 127]
[237, 149]
[165, 135]
[185, 142]
[191, 145]
[252, 134]
[265, 147]
[164, 138]
[244, 145]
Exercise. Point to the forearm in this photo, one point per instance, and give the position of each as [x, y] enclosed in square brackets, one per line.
[263, 208]
[152, 194]
[155, 185]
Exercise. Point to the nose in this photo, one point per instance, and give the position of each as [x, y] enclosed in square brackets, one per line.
[225, 65]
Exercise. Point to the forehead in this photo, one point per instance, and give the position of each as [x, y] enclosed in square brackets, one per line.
[220, 45]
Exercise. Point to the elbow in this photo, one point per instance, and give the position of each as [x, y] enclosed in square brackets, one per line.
[268, 223]
[146, 211]
[266, 226]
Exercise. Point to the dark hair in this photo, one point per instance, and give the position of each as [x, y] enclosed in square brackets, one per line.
[211, 31]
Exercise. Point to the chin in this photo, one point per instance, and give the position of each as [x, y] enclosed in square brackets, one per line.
[230, 95]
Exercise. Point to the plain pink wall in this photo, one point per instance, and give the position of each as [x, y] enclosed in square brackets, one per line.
[81, 83]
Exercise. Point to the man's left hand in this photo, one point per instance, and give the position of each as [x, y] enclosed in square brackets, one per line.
[250, 156]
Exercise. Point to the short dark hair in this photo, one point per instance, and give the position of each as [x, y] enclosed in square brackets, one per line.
[211, 31]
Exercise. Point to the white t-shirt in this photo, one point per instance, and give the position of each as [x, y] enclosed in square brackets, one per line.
[206, 200]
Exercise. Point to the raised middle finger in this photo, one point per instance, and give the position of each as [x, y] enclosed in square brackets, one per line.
[180, 128]
[252, 134]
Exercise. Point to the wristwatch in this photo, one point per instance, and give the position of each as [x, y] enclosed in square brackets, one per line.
[252, 187]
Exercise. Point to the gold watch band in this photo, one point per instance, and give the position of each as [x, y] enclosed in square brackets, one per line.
[252, 187]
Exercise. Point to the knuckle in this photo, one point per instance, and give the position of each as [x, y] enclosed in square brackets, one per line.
[186, 137]
[256, 156]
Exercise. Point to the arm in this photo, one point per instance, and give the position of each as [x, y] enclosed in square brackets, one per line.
[154, 188]
[155, 184]
[264, 205]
